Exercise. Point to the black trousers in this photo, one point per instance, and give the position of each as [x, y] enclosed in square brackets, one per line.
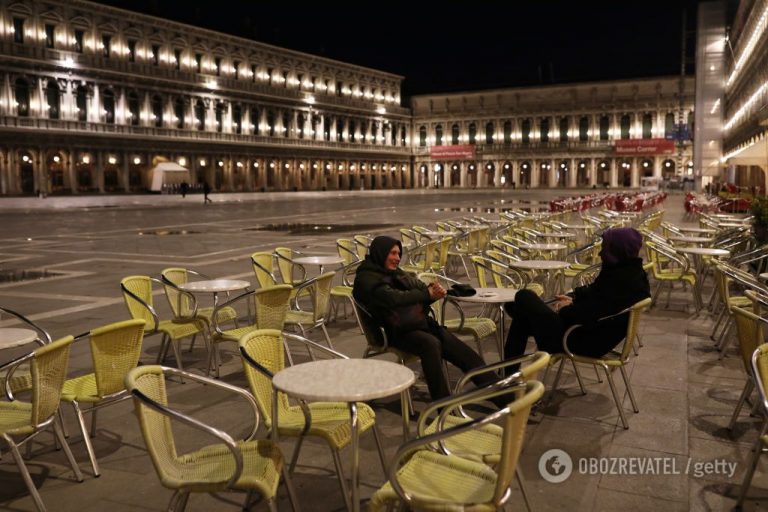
[434, 345]
[531, 317]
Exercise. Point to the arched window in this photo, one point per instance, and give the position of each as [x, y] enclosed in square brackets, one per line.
[507, 132]
[54, 102]
[422, 136]
[583, 129]
[352, 129]
[624, 126]
[489, 133]
[544, 130]
[286, 123]
[455, 134]
[604, 127]
[22, 97]
[669, 125]
[525, 129]
[300, 123]
[237, 118]
[472, 133]
[647, 126]
[108, 100]
[339, 130]
[402, 136]
[255, 120]
[200, 114]
[82, 103]
[271, 123]
[157, 110]
[178, 112]
[564, 124]
[133, 108]
[439, 135]
[219, 117]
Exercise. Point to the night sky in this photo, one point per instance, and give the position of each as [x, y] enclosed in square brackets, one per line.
[460, 45]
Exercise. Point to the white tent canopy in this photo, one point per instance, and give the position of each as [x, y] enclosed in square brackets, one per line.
[167, 173]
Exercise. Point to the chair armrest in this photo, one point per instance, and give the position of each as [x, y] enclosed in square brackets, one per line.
[494, 367]
[42, 333]
[155, 318]
[453, 302]
[312, 344]
[345, 270]
[265, 270]
[183, 319]
[299, 288]
[293, 265]
[227, 304]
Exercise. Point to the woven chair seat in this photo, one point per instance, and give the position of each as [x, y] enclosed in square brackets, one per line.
[535, 288]
[330, 421]
[82, 389]
[209, 469]
[178, 330]
[477, 327]
[299, 317]
[676, 275]
[341, 291]
[225, 314]
[739, 301]
[16, 418]
[482, 444]
[437, 481]
[21, 381]
[574, 269]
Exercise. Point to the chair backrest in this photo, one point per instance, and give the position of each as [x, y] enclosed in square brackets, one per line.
[178, 302]
[271, 306]
[49, 371]
[362, 242]
[263, 268]
[155, 426]
[409, 238]
[265, 347]
[138, 299]
[115, 350]
[514, 436]
[321, 294]
[347, 249]
[285, 263]
[749, 328]
[633, 325]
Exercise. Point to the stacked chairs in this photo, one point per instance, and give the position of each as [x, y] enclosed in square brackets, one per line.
[250, 465]
[115, 350]
[612, 360]
[21, 421]
[423, 478]
[263, 355]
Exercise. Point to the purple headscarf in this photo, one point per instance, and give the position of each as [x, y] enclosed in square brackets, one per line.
[620, 244]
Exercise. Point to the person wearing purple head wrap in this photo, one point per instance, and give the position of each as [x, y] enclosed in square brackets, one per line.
[621, 283]
[399, 302]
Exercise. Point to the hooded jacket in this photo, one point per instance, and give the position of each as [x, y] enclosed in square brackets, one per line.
[395, 299]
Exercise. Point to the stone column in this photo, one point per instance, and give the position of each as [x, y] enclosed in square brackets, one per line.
[99, 169]
[614, 181]
[635, 176]
[573, 173]
[592, 172]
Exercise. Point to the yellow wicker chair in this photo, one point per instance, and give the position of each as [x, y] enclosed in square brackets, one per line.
[760, 375]
[319, 290]
[179, 302]
[22, 379]
[362, 241]
[434, 481]
[722, 273]
[21, 421]
[252, 466]
[343, 292]
[263, 356]
[749, 327]
[137, 293]
[670, 267]
[115, 349]
[610, 361]
[263, 267]
[288, 269]
[271, 306]
[347, 249]
[476, 326]
[422, 257]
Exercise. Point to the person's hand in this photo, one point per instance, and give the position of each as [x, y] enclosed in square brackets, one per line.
[436, 291]
[562, 301]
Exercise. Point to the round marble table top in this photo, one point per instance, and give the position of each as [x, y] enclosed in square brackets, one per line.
[539, 264]
[703, 251]
[15, 337]
[544, 247]
[490, 295]
[691, 239]
[556, 235]
[326, 259]
[344, 380]
[215, 286]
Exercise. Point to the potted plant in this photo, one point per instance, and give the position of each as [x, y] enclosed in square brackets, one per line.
[760, 218]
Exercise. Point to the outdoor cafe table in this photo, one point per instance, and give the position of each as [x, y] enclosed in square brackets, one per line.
[691, 239]
[345, 380]
[320, 260]
[542, 248]
[698, 253]
[12, 337]
[492, 296]
[546, 266]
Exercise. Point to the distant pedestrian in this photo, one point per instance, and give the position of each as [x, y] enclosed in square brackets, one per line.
[206, 191]
[184, 188]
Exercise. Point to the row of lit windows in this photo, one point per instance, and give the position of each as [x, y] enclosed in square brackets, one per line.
[346, 129]
[563, 134]
[110, 46]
